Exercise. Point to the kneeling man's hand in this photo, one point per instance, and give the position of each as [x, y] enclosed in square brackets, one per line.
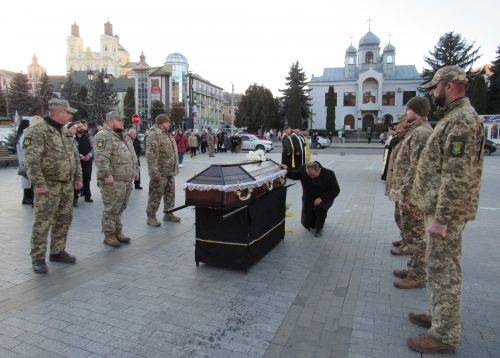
[317, 201]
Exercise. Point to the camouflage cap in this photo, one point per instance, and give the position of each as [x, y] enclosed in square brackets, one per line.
[448, 73]
[113, 115]
[56, 102]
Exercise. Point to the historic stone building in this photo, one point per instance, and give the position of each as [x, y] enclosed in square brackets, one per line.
[112, 56]
[369, 89]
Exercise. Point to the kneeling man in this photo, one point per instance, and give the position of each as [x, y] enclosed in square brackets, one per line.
[320, 188]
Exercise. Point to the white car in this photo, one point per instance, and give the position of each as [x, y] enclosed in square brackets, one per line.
[322, 142]
[251, 142]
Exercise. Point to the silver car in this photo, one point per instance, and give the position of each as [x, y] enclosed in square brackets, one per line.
[251, 142]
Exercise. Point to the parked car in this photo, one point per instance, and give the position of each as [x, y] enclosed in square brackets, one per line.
[252, 142]
[489, 147]
[322, 142]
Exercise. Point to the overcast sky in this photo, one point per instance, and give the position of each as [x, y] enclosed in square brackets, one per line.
[242, 41]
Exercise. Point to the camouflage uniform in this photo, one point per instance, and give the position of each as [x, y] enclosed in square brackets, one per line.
[52, 161]
[115, 156]
[446, 188]
[161, 155]
[211, 143]
[412, 219]
[390, 182]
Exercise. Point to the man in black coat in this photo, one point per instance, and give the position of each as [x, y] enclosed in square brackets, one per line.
[86, 151]
[319, 190]
[288, 149]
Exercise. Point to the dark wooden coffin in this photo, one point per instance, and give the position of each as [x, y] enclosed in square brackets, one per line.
[226, 186]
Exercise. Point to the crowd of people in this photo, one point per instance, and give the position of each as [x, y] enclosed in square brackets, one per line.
[432, 176]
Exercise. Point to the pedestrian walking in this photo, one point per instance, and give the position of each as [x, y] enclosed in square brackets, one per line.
[210, 142]
[161, 154]
[117, 168]
[182, 145]
[132, 133]
[54, 170]
[446, 189]
[193, 144]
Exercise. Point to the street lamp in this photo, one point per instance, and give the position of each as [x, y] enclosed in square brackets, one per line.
[90, 76]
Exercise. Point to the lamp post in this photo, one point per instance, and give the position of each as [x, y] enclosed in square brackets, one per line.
[90, 77]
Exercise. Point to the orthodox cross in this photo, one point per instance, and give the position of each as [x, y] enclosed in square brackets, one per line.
[370, 20]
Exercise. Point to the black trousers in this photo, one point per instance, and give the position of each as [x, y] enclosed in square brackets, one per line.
[137, 183]
[313, 217]
[86, 176]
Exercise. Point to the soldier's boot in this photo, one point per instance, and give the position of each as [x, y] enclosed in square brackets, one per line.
[122, 238]
[111, 240]
[171, 217]
[401, 273]
[397, 243]
[402, 250]
[408, 283]
[152, 221]
[39, 266]
[424, 343]
[62, 257]
[420, 319]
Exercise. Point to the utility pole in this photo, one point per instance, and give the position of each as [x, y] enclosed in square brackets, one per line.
[233, 115]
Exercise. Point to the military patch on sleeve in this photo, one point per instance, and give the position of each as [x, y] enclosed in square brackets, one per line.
[457, 146]
[101, 144]
[26, 142]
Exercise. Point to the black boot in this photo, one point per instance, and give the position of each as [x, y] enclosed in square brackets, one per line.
[27, 197]
[39, 266]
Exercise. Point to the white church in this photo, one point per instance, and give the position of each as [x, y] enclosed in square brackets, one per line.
[370, 88]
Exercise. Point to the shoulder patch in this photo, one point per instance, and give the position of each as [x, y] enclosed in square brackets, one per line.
[26, 142]
[101, 144]
[457, 146]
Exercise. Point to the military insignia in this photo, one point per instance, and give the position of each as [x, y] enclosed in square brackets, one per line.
[457, 147]
[101, 143]
[26, 142]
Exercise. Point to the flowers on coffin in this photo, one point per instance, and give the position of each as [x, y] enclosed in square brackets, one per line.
[257, 155]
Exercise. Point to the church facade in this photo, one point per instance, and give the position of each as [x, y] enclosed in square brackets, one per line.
[369, 89]
[112, 56]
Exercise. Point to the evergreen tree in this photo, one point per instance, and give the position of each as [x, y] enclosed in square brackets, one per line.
[451, 49]
[43, 94]
[20, 97]
[3, 103]
[102, 98]
[494, 89]
[70, 90]
[296, 98]
[331, 103]
[258, 109]
[129, 106]
[80, 103]
[478, 94]
[157, 108]
[177, 114]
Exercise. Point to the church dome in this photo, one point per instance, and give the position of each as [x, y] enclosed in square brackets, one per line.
[351, 49]
[389, 48]
[177, 58]
[369, 39]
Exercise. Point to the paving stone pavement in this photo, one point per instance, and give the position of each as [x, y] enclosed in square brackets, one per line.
[309, 297]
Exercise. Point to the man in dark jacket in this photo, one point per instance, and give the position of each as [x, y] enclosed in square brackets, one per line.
[319, 190]
[86, 151]
[132, 133]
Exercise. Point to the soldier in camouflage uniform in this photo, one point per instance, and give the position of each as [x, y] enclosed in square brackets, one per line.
[412, 218]
[54, 170]
[446, 188]
[211, 142]
[161, 155]
[117, 168]
[390, 192]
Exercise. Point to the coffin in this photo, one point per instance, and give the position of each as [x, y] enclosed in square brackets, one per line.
[225, 186]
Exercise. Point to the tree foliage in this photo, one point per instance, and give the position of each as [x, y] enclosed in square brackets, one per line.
[20, 97]
[129, 104]
[70, 90]
[451, 49]
[81, 104]
[494, 88]
[44, 92]
[3, 103]
[258, 109]
[296, 98]
[331, 103]
[177, 113]
[478, 94]
[157, 107]
[102, 98]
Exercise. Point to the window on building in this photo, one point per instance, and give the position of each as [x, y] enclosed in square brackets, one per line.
[389, 59]
[369, 97]
[351, 60]
[407, 95]
[388, 98]
[369, 57]
[349, 98]
[155, 83]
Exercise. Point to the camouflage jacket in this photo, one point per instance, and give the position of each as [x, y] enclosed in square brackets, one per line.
[210, 138]
[115, 155]
[408, 156]
[391, 188]
[450, 167]
[161, 153]
[51, 154]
